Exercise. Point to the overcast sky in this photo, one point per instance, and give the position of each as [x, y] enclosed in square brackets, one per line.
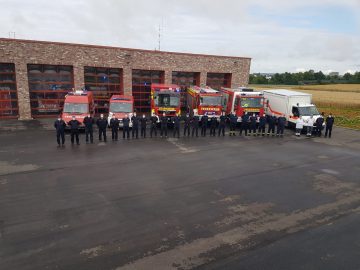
[279, 35]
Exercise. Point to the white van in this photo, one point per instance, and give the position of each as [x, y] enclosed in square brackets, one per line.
[292, 104]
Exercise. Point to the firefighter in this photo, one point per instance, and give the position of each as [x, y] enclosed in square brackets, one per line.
[299, 126]
[102, 125]
[319, 125]
[143, 122]
[281, 125]
[60, 125]
[239, 123]
[272, 122]
[195, 125]
[176, 121]
[114, 124]
[126, 126]
[74, 129]
[222, 124]
[153, 127]
[329, 125]
[187, 121]
[213, 124]
[244, 124]
[262, 123]
[204, 122]
[309, 126]
[163, 125]
[135, 126]
[88, 122]
[252, 128]
[233, 122]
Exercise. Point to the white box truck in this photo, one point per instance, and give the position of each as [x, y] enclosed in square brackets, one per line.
[292, 104]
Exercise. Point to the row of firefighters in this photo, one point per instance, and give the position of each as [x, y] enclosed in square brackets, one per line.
[250, 124]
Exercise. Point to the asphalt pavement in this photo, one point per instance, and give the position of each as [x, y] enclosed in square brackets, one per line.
[188, 203]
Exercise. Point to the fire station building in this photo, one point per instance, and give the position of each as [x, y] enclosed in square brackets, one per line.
[35, 76]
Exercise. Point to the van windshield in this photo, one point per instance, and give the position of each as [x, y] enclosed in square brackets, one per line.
[117, 107]
[76, 108]
[308, 111]
[167, 100]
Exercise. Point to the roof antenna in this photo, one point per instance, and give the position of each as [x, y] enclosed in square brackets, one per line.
[161, 26]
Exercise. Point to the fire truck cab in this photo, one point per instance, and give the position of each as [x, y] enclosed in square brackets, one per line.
[79, 104]
[240, 100]
[204, 100]
[120, 105]
[165, 98]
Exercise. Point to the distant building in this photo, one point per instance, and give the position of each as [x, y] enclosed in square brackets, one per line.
[334, 74]
[268, 76]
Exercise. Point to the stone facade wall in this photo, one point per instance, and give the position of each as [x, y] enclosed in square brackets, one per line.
[23, 52]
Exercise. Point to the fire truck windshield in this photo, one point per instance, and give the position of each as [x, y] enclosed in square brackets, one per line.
[308, 111]
[251, 103]
[210, 100]
[76, 108]
[120, 107]
[167, 100]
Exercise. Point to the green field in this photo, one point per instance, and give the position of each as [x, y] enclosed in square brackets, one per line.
[343, 100]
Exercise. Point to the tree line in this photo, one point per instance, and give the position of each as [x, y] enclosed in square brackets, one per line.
[303, 78]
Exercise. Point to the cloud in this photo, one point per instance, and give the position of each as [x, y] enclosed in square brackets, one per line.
[277, 34]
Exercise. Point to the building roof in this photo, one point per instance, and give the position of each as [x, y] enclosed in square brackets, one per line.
[118, 48]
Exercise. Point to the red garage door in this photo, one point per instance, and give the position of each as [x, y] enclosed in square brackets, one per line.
[48, 85]
[141, 87]
[8, 94]
[103, 82]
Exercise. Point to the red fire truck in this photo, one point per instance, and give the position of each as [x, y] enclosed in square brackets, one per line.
[79, 104]
[242, 100]
[120, 105]
[203, 100]
[165, 98]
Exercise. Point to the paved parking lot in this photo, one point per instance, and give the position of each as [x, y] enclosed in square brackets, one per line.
[204, 203]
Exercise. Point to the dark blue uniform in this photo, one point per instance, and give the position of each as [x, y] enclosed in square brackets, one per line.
[135, 127]
[213, 123]
[233, 122]
[272, 123]
[153, 127]
[281, 126]
[319, 125]
[126, 127]
[74, 129]
[187, 122]
[60, 125]
[204, 122]
[176, 121]
[245, 124]
[88, 122]
[195, 125]
[102, 125]
[262, 124]
[143, 122]
[252, 128]
[222, 125]
[114, 124]
[163, 123]
[329, 125]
